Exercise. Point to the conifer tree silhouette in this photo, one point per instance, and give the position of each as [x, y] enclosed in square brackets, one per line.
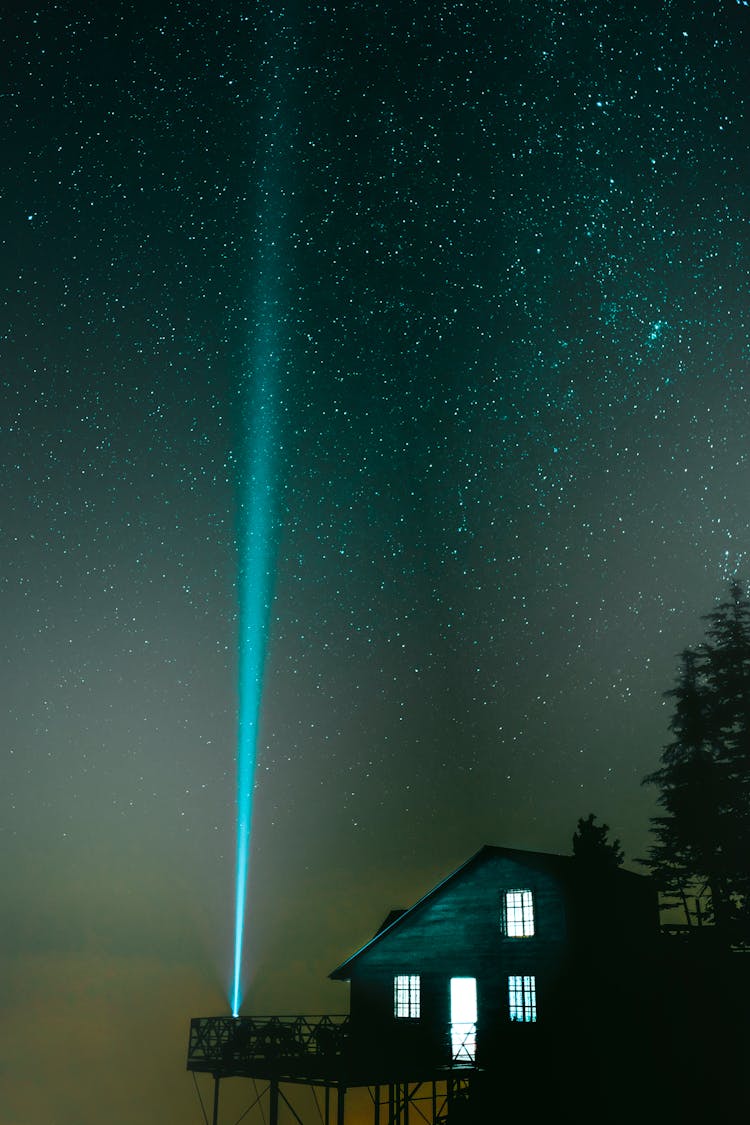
[703, 832]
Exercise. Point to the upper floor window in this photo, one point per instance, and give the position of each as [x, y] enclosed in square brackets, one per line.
[518, 914]
[406, 997]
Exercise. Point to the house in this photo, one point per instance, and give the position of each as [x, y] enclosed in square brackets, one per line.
[524, 985]
[510, 945]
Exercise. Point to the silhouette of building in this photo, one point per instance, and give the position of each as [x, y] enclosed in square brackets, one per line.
[517, 961]
[511, 942]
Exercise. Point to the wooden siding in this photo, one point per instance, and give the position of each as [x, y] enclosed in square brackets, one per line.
[459, 929]
[582, 952]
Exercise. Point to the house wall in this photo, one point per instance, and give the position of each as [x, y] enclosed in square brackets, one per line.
[459, 933]
[578, 955]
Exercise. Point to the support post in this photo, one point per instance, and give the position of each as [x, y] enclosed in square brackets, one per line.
[376, 1103]
[215, 1118]
[327, 1105]
[340, 1104]
[273, 1103]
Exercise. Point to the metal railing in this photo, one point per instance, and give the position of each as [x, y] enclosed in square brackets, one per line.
[236, 1044]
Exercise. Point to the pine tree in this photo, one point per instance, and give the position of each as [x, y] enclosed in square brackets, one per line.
[702, 836]
[729, 657]
[591, 847]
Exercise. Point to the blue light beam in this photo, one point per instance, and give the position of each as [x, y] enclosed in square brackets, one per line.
[255, 595]
[258, 467]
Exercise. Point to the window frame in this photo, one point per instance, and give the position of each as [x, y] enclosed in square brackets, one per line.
[522, 1006]
[523, 914]
[407, 997]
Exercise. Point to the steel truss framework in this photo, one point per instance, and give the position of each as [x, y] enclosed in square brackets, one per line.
[285, 1052]
[398, 1103]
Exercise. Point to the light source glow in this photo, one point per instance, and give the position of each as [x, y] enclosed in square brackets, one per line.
[463, 1019]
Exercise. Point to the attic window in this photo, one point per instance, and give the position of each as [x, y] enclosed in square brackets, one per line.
[518, 914]
[522, 999]
[406, 998]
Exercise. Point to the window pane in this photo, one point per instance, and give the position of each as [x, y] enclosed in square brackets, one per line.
[522, 999]
[406, 997]
[463, 999]
[519, 914]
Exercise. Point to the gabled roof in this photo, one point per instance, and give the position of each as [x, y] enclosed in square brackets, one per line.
[564, 866]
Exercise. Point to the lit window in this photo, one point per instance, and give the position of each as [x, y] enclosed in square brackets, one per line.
[518, 914]
[406, 997]
[522, 999]
[464, 1019]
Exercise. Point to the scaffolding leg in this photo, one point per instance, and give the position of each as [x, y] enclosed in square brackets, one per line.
[327, 1104]
[273, 1103]
[215, 1118]
[340, 1104]
[376, 1104]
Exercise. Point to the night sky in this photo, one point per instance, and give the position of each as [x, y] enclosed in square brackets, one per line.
[511, 251]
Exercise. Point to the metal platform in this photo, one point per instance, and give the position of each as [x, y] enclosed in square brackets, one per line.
[288, 1048]
[318, 1051]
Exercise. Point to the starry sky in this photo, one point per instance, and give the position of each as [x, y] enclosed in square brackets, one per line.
[511, 270]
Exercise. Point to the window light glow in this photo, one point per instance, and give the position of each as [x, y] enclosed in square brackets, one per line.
[518, 914]
[406, 997]
[522, 999]
[463, 1019]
